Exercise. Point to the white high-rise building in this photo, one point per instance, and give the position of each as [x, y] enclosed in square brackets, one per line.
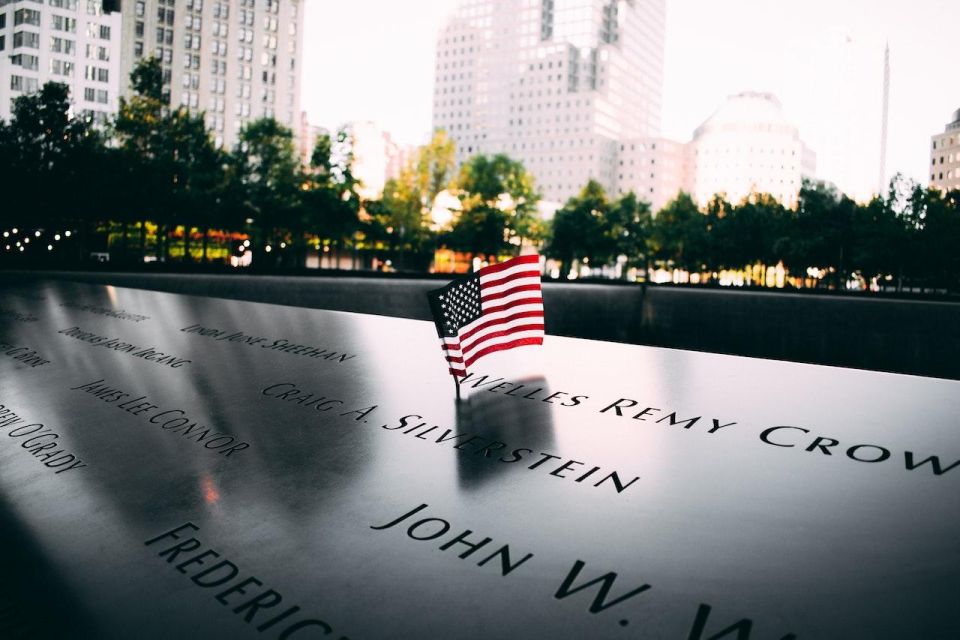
[76, 43]
[557, 84]
[945, 156]
[748, 146]
[235, 60]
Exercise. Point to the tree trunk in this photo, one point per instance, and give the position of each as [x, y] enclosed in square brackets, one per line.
[143, 241]
[206, 242]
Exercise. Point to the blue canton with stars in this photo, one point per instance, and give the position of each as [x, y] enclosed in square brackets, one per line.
[455, 305]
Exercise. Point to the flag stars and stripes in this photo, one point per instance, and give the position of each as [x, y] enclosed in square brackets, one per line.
[498, 308]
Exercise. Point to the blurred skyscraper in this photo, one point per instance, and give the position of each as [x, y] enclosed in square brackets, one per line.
[76, 43]
[236, 61]
[375, 156]
[557, 84]
[852, 82]
[307, 139]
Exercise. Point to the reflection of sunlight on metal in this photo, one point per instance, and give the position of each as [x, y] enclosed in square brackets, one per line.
[517, 421]
[112, 294]
[210, 493]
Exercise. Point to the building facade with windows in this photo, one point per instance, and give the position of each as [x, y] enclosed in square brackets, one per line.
[234, 60]
[945, 156]
[654, 168]
[76, 42]
[557, 84]
[748, 146]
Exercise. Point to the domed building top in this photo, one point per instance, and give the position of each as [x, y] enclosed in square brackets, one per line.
[748, 146]
[747, 111]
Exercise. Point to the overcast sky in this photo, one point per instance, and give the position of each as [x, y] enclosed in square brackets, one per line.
[373, 60]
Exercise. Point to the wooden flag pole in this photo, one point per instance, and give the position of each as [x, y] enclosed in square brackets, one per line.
[456, 381]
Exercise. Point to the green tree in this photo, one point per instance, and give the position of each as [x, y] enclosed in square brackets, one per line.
[881, 239]
[680, 235]
[498, 206]
[933, 258]
[198, 178]
[821, 232]
[266, 171]
[171, 171]
[330, 201]
[748, 233]
[580, 229]
[50, 160]
[435, 163]
[629, 223]
[143, 166]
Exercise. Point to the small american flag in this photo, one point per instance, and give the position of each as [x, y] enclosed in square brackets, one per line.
[499, 307]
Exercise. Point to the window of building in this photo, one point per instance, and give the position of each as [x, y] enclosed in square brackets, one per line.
[23, 84]
[61, 67]
[25, 60]
[63, 23]
[26, 16]
[26, 39]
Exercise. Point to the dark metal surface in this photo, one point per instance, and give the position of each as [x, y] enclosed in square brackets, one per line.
[909, 335]
[742, 532]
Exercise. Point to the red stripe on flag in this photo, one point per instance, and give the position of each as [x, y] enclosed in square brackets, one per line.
[501, 347]
[467, 349]
[509, 292]
[505, 319]
[530, 273]
[512, 304]
[496, 268]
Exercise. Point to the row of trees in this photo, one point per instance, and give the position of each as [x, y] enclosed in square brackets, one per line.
[911, 234]
[155, 177]
[155, 169]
